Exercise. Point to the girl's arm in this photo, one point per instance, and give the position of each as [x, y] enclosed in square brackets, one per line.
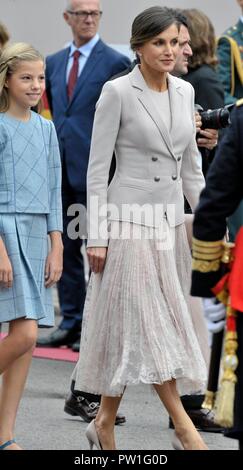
[6, 272]
[54, 261]
[54, 218]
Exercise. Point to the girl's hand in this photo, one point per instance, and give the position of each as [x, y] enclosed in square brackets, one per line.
[97, 257]
[6, 272]
[53, 268]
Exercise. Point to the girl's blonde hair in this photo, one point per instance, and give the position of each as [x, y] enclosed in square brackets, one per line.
[10, 58]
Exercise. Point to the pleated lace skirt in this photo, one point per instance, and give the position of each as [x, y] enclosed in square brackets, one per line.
[137, 325]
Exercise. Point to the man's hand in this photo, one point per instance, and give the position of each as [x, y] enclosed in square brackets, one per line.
[209, 138]
[215, 314]
[198, 121]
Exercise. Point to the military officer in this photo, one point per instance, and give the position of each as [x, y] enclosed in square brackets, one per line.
[230, 69]
[222, 194]
[230, 51]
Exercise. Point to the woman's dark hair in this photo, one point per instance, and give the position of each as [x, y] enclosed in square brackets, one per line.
[203, 40]
[151, 22]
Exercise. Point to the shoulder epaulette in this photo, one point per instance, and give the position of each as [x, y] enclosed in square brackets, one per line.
[232, 30]
[235, 60]
[239, 102]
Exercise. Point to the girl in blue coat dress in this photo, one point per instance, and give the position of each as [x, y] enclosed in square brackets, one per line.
[30, 210]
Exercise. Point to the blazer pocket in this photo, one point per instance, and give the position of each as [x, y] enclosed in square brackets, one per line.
[133, 183]
[5, 197]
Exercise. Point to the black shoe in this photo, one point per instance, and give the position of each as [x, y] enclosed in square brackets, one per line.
[203, 420]
[76, 346]
[76, 405]
[59, 338]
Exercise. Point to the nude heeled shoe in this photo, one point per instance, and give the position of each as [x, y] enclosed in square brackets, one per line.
[176, 443]
[92, 436]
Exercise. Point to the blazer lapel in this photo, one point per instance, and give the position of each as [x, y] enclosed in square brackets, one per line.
[63, 70]
[94, 57]
[176, 103]
[144, 97]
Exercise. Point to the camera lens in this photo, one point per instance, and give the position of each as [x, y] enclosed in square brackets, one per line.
[224, 117]
[215, 119]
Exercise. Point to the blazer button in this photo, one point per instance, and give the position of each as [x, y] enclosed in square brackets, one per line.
[154, 159]
[174, 177]
[156, 179]
[179, 159]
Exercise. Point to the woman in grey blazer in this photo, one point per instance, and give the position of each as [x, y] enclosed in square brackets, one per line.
[137, 324]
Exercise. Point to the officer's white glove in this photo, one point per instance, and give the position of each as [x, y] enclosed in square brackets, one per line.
[215, 314]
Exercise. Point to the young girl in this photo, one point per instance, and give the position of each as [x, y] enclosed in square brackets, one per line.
[30, 209]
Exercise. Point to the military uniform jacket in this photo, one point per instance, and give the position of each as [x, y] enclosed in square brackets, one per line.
[230, 51]
[219, 199]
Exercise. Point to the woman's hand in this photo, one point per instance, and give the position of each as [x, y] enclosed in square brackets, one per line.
[6, 271]
[54, 260]
[97, 257]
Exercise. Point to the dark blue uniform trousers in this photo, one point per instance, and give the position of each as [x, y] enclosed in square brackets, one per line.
[72, 286]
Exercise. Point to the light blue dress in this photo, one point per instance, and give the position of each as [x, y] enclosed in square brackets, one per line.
[30, 207]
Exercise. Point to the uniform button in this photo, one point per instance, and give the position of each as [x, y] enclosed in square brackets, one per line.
[154, 159]
[179, 159]
[156, 179]
[174, 177]
[67, 113]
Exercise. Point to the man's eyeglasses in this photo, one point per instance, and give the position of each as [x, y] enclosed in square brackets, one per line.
[95, 15]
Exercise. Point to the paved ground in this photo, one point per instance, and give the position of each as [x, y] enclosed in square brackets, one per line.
[42, 423]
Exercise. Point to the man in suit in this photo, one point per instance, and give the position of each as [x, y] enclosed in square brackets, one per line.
[74, 79]
[72, 104]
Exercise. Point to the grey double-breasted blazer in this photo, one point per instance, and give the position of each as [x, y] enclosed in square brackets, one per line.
[154, 167]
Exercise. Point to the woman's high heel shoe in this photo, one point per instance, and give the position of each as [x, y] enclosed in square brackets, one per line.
[176, 443]
[92, 436]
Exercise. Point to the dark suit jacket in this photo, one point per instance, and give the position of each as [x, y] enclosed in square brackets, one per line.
[209, 91]
[74, 120]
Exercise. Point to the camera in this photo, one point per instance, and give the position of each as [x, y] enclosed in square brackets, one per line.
[215, 118]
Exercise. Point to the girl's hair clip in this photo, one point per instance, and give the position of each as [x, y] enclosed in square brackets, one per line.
[3, 65]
